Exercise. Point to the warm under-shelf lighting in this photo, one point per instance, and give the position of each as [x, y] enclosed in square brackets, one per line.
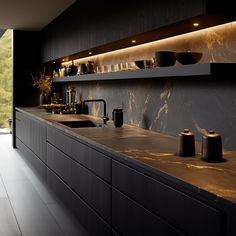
[195, 24]
[143, 47]
[133, 41]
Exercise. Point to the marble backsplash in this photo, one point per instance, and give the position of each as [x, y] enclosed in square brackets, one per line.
[169, 105]
[173, 104]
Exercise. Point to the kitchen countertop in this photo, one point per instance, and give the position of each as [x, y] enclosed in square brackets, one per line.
[156, 154]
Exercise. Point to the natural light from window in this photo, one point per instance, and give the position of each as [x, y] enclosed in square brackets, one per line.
[6, 82]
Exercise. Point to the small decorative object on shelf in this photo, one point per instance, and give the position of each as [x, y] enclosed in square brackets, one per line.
[90, 67]
[43, 98]
[165, 58]
[186, 58]
[44, 84]
[71, 69]
[144, 64]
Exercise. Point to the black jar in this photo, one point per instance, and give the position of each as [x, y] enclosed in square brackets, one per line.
[71, 69]
[186, 143]
[211, 147]
[117, 117]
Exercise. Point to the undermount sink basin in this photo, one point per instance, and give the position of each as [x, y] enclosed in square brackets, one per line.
[78, 123]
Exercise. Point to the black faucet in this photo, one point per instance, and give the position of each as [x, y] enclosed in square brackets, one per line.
[105, 117]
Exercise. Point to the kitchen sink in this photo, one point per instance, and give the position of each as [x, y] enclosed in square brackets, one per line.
[78, 123]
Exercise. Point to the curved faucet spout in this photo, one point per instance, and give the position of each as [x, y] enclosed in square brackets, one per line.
[105, 117]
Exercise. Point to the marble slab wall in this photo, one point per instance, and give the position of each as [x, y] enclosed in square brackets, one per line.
[173, 104]
[170, 105]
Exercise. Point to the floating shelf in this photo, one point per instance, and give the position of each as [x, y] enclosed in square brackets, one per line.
[197, 70]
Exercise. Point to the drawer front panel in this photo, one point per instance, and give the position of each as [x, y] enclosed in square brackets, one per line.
[91, 221]
[186, 213]
[32, 133]
[95, 161]
[130, 218]
[95, 191]
[32, 159]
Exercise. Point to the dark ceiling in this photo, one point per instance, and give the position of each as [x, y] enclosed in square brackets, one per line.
[30, 14]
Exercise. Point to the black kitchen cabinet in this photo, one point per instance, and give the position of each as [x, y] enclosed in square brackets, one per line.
[111, 28]
[112, 194]
[91, 221]
[188, 214]
[78, 174]
[130, 218]
[33, 160]
[92, 189]
[32, 133]
[95, 161]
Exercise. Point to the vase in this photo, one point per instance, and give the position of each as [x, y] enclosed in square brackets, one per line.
[43, 98]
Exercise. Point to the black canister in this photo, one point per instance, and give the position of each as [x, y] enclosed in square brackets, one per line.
[212, 147]
[186, 143]
[72, 69]
[79, 108]
[82, 69]
[117, 117]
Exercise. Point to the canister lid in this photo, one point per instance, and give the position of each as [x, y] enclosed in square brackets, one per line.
[212, 133]
[186, 132]
[118, 109]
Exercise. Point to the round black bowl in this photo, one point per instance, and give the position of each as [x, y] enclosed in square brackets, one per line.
[165, 58]
[186, 58]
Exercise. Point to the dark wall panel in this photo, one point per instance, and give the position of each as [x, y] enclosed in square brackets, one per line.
[26, 60]
[89, 24]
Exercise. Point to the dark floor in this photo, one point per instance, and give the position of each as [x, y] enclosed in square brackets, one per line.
[27, 206]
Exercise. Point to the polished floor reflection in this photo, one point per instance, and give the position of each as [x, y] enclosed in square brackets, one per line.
[27, 206]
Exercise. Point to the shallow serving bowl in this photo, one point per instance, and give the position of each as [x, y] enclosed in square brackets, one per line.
[186, 58]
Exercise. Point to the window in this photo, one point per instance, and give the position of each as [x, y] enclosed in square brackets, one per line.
[6, 81]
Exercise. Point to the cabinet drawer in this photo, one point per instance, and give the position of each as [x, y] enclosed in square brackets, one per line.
[130, 218]
[21, 130]
[32, 133]
[18, 128]
[38, 139]
[32, 159]
[95, 191]
[188, 214]
[95, 161]
[90, 220]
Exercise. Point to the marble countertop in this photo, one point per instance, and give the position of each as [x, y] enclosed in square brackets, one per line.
[156, 153]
